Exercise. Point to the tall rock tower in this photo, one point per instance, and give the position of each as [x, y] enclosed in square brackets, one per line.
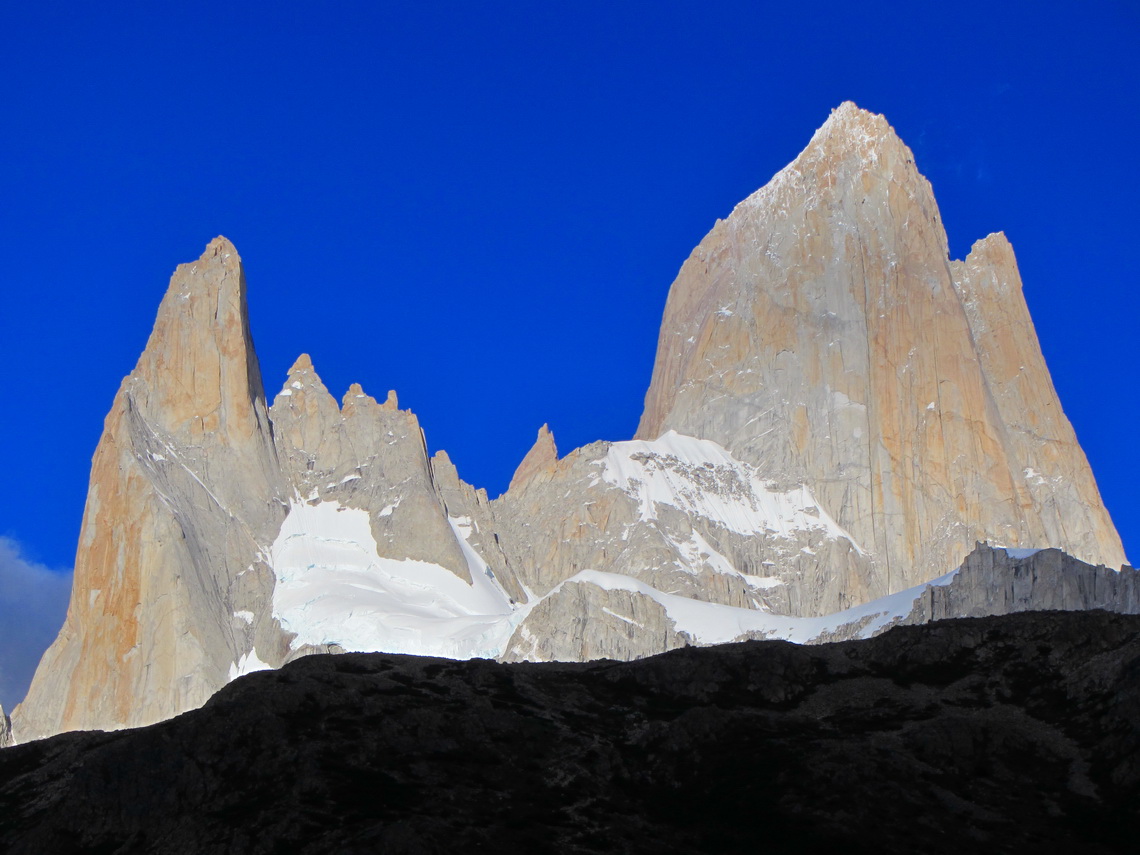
[822, 334]
[184, 484]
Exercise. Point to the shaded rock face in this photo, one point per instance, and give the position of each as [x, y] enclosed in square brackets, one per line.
[5, 730]
[998, 581]
[822, 334]
[994, 582]
[999, 734]
[596, 615]
[837, 413]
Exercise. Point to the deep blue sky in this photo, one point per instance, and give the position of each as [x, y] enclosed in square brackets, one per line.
[482, 205]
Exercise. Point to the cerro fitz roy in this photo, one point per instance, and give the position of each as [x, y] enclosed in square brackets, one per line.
[837, 414]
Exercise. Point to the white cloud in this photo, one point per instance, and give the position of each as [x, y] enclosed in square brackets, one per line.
[33, 602]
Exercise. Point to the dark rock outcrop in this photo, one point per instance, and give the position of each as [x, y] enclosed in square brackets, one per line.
[1017, 733]
[1003, 581]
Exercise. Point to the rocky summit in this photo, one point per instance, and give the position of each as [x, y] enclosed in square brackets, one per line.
[845, 430]
[822, 334]
[1018, 733]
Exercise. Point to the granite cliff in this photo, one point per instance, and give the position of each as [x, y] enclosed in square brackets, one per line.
[837, 414]
[822, 334]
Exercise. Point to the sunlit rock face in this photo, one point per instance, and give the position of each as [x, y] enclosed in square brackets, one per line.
[186, 576]
[184, 484]
[821, 334]
[837, 414]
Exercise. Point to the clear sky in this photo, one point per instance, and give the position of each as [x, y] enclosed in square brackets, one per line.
[482, 204]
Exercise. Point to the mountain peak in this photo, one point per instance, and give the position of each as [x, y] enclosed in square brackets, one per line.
[302, 365]
[220, 246]
[192, 413]
[854, 154]
[302, 378]
[199, 362]
[356, 397]
[854, 123]
[821, 333]
[837, 413]
[995, 247]
[542, 457]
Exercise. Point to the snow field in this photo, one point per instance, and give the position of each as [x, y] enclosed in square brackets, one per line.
[334, 588]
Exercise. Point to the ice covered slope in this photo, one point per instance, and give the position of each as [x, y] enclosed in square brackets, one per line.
[702, 480]
[333, 588]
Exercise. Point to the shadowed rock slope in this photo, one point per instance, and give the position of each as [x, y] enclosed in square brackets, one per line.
[1017, 733]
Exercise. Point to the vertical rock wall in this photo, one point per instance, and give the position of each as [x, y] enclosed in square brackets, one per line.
[821, 334]
[184, 486]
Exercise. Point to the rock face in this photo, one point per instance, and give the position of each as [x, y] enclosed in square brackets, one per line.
[539, 461]
[999, 581]
[822, 334]
[222, 535]
[1013, 734]
[837, 414]
[1055, 486]
[184, 482]
[5, 730]
[675, 516]
[598, 615]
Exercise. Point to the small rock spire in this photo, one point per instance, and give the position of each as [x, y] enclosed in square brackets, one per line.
[542, 457]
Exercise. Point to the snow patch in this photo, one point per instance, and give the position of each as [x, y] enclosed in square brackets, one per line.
[1017, 553]
[698, 553]
[628, 620]
[701, 478]
[334, 588]
[713, 623]
[247, 664]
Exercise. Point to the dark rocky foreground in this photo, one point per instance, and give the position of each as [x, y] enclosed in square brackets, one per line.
[1011, 734]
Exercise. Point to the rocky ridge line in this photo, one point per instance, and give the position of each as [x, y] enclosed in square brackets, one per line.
[1010, 734]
